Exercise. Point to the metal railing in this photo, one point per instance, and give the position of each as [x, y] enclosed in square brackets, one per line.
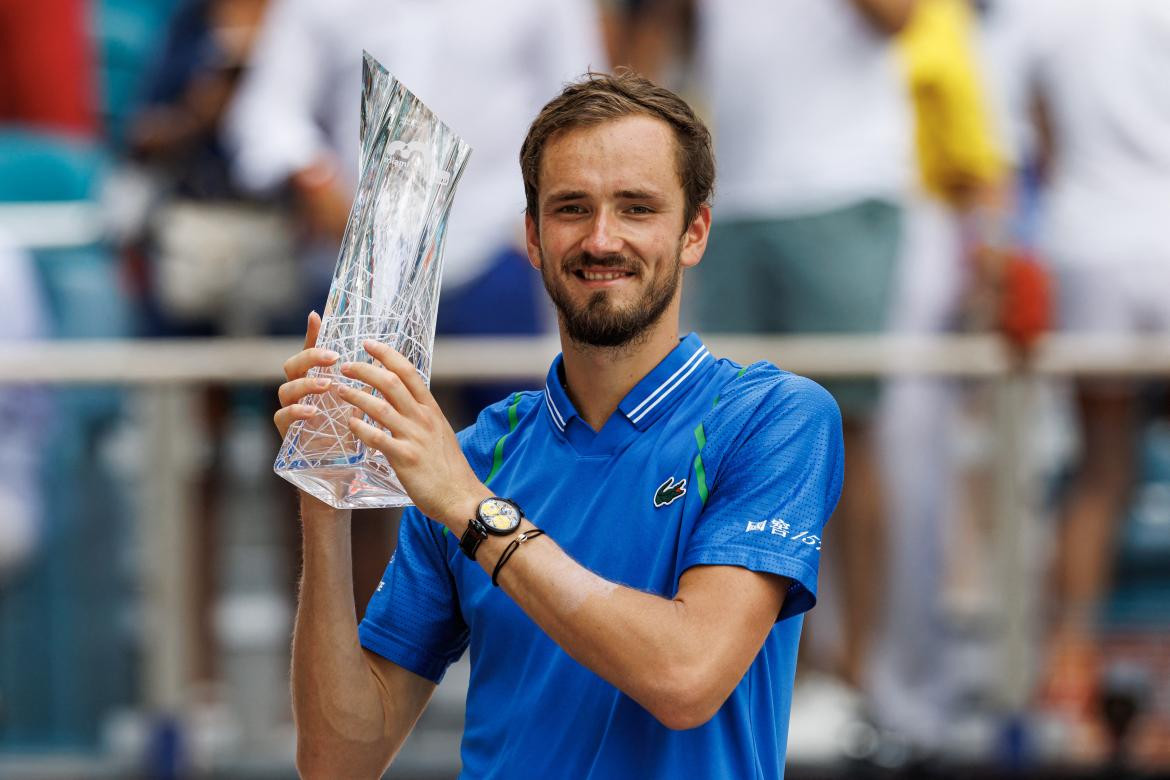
[145, 362]
[167, 372]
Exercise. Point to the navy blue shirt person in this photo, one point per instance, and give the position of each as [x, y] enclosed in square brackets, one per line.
[639, 617]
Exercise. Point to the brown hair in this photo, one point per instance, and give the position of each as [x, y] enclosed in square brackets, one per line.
[599, 97]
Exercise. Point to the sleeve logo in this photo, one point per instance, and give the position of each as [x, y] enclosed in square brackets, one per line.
[779, 527]
[669, 492]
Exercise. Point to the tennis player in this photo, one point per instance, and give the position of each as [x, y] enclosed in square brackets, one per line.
[628, 552]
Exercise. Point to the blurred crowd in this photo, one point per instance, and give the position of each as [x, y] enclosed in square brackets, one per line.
[918, 167]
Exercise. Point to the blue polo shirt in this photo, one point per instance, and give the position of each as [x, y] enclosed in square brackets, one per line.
[704, 463]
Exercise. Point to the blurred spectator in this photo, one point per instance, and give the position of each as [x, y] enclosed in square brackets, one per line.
[22, 417]
[52, 161]
[40, 43]
[216, 260]
[812, 134]
[220, 260]
[1099, 72]
[484, 69]
[920, 672]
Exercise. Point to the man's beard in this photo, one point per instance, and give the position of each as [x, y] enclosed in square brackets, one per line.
[598, 323]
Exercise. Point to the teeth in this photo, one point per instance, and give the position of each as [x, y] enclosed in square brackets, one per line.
[602, 277]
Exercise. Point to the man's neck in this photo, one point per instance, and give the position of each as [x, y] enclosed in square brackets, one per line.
[598, 378]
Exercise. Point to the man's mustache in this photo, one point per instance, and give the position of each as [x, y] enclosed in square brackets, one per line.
[618, 262]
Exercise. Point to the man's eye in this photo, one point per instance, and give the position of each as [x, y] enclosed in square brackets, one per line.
[570, 208]
[640, 210]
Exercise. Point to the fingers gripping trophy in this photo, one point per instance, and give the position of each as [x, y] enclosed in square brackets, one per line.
[385, 289]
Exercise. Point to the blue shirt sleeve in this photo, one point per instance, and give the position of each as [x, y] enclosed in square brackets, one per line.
[774, 457]
[413, 618]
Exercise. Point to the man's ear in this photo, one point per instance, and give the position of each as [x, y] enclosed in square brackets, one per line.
[694, 241]
[532, 240]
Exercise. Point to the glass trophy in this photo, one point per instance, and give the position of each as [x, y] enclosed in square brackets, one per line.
[385, 286]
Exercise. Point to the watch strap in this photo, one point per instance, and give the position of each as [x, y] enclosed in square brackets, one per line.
[472, 537]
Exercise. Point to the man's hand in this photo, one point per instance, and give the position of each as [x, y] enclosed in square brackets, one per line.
[300, 384]
[414, 436]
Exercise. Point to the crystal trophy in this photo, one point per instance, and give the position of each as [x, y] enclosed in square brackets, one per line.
[385, 286]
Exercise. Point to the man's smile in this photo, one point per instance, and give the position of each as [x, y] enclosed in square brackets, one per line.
[602, 277]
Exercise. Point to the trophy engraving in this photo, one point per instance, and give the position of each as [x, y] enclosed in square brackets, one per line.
[385, 286]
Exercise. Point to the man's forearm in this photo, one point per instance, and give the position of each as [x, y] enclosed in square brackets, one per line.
[648, 658]
[338, 712]
[656, 650]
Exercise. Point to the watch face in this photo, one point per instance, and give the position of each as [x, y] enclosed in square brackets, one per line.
[499, 516]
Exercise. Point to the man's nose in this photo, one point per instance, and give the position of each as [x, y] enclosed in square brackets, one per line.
[603, 238]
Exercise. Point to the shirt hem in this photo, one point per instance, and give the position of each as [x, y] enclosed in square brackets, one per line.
[800, 598]
[375, 639]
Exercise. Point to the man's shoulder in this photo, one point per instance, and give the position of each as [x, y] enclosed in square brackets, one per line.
[765, 387]
[497, 420]
[762, 396]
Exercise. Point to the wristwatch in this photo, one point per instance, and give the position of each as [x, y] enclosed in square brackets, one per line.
[494, 516]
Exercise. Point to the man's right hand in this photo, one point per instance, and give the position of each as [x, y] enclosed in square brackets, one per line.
[300, 384]
[353, 709]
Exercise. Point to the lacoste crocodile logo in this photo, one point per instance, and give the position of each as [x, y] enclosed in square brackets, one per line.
[669, 492]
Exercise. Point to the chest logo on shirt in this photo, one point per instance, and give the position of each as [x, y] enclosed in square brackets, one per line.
[669, 492]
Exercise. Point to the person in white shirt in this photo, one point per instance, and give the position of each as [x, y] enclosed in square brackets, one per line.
[813, 136]
[1099, 70]
[483, 68]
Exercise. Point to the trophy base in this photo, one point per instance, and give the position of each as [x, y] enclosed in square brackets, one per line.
[349, 487]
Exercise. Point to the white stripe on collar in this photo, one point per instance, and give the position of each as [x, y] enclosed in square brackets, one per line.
[667, 387]
[552, 407]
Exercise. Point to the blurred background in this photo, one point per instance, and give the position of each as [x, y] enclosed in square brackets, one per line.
[953, 213]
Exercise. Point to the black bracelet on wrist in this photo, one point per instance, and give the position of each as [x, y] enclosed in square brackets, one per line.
[512, 547]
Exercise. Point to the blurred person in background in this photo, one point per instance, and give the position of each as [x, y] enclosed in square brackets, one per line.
[1098, 72]
[23, 417]
[40, 44]
[211, 259]
[218, 257]
[813, 136]
[921, 675]
[483, 69]
[64, 615]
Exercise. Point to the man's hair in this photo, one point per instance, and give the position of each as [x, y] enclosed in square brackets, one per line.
[601, 97]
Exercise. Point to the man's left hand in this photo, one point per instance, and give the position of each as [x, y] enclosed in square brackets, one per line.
[414, 436]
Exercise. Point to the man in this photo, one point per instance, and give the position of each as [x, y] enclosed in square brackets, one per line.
[651, 630]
